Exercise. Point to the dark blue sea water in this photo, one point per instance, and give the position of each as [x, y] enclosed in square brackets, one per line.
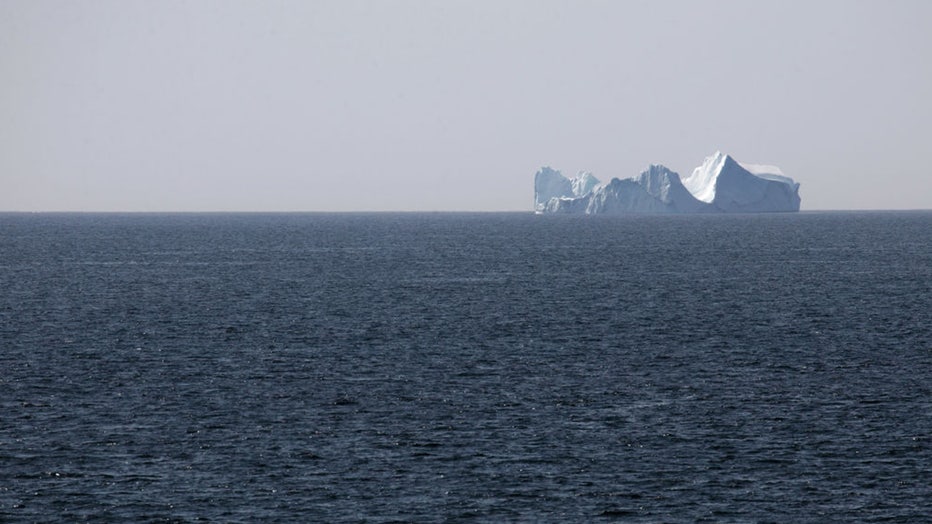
[474, 367]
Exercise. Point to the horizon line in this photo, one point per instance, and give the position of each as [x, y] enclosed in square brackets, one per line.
[455, 211]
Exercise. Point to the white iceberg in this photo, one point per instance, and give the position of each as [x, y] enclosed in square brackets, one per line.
[550, 184]
[719, 185]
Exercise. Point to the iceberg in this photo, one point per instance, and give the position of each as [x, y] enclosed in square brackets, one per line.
[550, 184]
[720, 185]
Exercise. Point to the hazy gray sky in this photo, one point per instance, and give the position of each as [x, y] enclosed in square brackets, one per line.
[452, 105]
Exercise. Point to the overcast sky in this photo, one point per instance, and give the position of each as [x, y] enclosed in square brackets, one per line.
[452, 105]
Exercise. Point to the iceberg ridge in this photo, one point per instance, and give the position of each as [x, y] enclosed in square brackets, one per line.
[719, 185]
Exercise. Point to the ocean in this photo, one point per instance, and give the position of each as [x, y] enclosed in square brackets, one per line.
[488, 367]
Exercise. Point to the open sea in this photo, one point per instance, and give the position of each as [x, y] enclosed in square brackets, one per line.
[466, 367]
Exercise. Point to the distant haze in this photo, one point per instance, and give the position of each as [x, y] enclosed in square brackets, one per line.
[452, 105]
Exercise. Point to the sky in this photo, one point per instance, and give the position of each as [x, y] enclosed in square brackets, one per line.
[452, 105]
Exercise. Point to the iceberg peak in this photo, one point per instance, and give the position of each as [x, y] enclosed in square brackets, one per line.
[702, 182]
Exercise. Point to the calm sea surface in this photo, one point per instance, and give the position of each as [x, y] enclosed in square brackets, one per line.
[474, 367]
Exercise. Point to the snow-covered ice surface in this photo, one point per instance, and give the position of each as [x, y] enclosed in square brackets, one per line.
[701, 183]
[719, 185]
[768, 172]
